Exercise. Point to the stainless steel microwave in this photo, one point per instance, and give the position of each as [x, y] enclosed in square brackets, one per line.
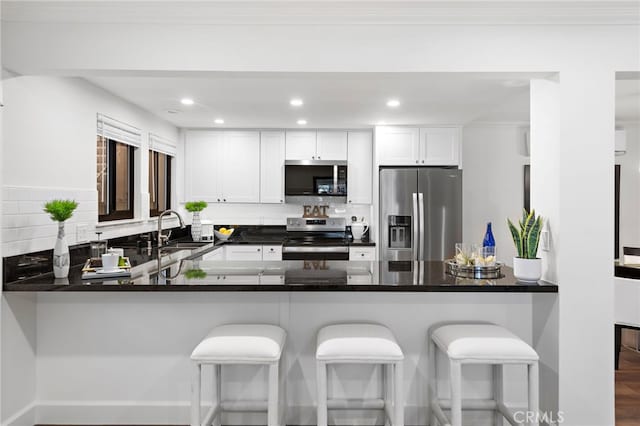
[315, 181]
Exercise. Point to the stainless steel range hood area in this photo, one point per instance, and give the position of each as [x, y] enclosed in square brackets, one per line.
[315, 181]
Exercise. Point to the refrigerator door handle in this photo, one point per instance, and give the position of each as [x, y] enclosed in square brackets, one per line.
[421, 215]
[415, 225]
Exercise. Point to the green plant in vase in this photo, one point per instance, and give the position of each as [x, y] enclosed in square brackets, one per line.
[60, 211]
[526, 237]
[196, 207]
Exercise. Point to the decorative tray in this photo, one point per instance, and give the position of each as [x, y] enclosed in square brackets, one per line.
[472, 271]
[95, 263]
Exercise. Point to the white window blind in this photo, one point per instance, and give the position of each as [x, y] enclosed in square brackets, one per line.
[118, 131]
[162, 145]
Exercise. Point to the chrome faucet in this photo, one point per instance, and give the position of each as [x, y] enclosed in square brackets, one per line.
[162, 237]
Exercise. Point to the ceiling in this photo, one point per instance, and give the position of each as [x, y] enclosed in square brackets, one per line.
[340, 100]
[331, 100]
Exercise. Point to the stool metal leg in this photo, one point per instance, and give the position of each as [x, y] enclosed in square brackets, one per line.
[321, 392]
[195, 393]
[273, 398]
[498, 392]
[387, 380]
[534, 388]
[398, 394]
[217, 394]
[432, 392]
[455, 375]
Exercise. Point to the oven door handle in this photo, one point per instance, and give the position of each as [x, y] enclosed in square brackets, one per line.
[315, 249]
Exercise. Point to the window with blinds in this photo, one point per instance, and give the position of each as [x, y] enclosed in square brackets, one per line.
[161, 152]
[116, 146]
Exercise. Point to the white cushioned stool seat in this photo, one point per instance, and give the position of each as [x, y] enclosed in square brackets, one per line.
[360, 343]
[357, 342]
[482, 342]
[255, 344]
[240, 343]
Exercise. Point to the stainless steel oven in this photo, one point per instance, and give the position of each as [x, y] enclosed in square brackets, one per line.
[315, 181]
[316, 239]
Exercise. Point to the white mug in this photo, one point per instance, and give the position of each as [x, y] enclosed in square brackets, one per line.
[110, 261]
[358, 229]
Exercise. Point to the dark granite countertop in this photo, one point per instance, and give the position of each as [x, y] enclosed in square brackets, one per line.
[182, 271]
[627, 271]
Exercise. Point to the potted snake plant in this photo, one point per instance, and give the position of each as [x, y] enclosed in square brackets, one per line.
[527, 266]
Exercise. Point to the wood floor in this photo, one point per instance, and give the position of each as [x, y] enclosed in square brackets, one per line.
[628, 389]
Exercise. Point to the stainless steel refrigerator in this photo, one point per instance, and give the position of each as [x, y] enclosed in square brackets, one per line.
[420, 212]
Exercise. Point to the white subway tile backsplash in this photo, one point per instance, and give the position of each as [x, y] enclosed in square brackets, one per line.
[10, 207]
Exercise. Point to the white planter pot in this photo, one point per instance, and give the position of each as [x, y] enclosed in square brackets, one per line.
[527, 270]
[61, 259]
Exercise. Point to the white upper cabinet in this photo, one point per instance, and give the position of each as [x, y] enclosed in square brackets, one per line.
[222, 166]
[328, 145]
[397, 146]
[272, 152]
[360, 167]
[331, 145]
[201, 165]
[440, 146]
[406, 146]
[300, 145]
[240, 167]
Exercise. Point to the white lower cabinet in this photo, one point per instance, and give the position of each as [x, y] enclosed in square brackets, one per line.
[238, 279]
[362, 253]
[243, 252]
[253, 252]
[272, 279]
[271, 252]
[217, 254]
[360, 273]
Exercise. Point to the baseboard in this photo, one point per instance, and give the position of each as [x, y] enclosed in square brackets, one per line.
[177, 413]
[24, 417]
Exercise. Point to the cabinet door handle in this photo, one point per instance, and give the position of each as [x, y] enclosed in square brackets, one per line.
[271, 249]
[224, 278]
[218, 199]
[318, 157]
[280, 200]
[362, 254]
[258, 249]
[313, 157]
[417, 161]
[225, 200]
[349, 200]
[422, 161]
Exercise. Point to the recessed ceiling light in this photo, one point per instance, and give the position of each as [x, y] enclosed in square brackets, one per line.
[393, 103]
[218, 121]
[302, 122]
[186, 101]
[296, 102]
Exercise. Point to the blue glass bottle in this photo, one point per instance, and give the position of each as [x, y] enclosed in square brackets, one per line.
[488, 241]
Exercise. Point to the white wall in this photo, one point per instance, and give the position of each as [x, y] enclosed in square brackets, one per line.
[123, 358]
[50, 151]
[630, 188]
[493, 157]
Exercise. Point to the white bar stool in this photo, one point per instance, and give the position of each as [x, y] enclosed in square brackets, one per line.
[361, 344]
[256, 344]
[479, 344]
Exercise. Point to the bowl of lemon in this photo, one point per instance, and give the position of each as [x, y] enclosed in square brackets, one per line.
[223, 233]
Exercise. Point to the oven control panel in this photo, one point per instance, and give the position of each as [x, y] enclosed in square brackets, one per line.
[329, 224]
